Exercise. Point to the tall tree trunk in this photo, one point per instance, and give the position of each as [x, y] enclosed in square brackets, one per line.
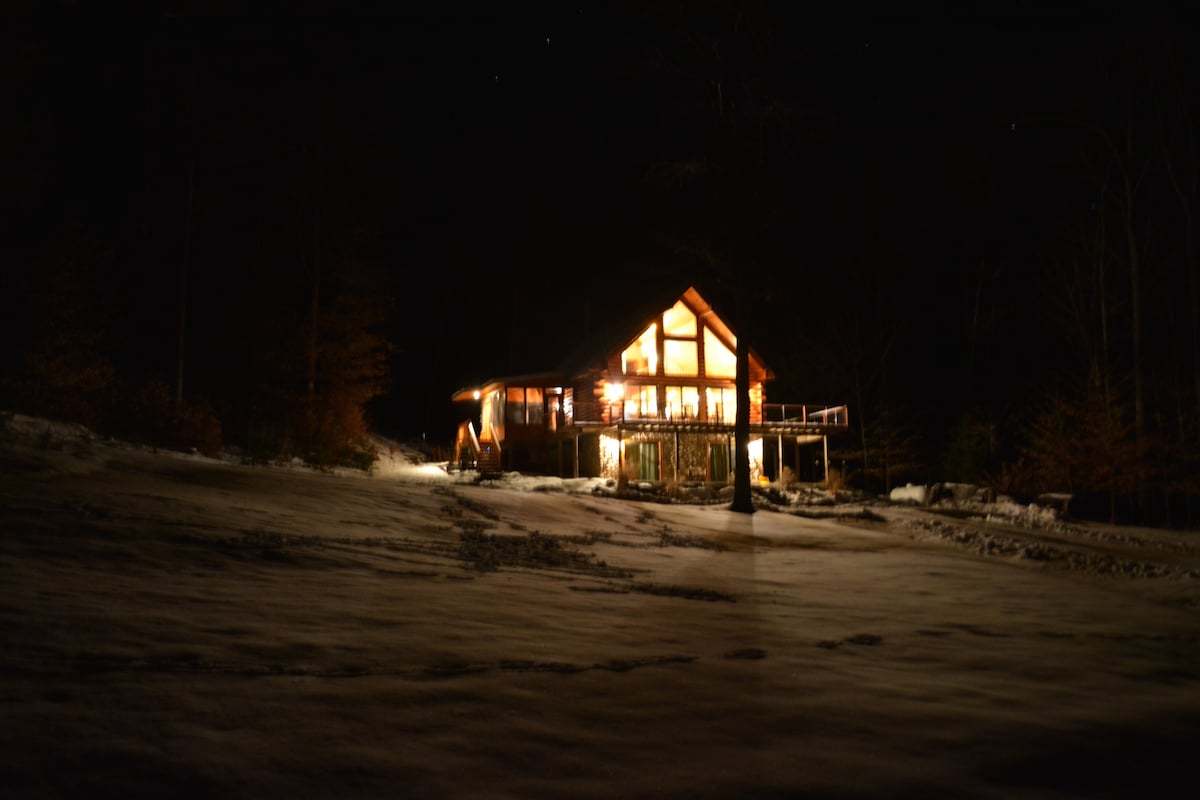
[973, 334]
[319, 111]
[314, 306]
[862, 426]
[1194, 297]
[181, 316]
[742, 500]
[1186, 197]
[885, 433]
[1101, 280]
[1134, 253]
[1135, 303]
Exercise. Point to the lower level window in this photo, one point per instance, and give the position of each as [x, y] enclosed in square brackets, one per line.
[642, 460]
[718, 462]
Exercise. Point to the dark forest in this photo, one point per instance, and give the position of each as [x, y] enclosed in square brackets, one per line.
[283, 230]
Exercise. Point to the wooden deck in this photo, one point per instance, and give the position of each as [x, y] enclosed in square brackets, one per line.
[777, 418]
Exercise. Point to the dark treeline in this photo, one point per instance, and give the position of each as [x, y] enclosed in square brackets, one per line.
[193, 259]
[980, 236]
[995, 267]
[1063, 248]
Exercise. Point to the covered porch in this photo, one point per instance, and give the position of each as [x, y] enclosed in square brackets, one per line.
[660, 450]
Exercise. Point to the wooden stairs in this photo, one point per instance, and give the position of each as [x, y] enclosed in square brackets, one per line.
[472, 454]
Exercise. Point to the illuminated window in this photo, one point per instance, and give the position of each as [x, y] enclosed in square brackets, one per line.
[682, 402]
[718, 462]
[649, 399]
[722, 404]
[492, 415]
[516, 405]
[497, 409]
[641, 401]
[641, 357]
[679, 321]
[754, 452]
[533, 406]
[679, 358]
[525, 405]
[642, 459]
[610, 453]
[719, 360]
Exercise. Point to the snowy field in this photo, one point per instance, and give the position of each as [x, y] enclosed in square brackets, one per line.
[176, 626]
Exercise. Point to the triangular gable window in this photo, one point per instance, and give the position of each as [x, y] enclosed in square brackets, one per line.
[680, 348]
[641, 357]
[679, 321]
[719, 360]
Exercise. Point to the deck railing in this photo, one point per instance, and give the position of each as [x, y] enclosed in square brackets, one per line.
[808, 415]
[799, 415]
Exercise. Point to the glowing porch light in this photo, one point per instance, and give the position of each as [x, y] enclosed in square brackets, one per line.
[614, 392]
[754, 451]
[476, 394]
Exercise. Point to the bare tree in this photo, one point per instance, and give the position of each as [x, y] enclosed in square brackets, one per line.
[1183, 174]
[185, 256]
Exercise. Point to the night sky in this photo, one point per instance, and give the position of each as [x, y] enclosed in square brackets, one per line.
[504, 171]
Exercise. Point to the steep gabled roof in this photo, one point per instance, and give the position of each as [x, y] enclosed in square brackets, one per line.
[466, 393]
[615, 334]
[617, 331]
[621, 331]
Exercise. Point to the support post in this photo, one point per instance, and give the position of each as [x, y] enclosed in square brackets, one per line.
[825, 448]
[779, 458]
[677, 455]
[620, 454]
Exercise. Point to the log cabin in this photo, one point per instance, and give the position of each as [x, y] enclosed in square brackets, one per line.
[649, 401]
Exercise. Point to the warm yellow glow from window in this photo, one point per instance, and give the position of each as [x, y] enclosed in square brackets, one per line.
[534, 406]
[679, 358]
[610, 455]
[719, 360]
[683, 402]
[722, 404]
[754, 451]
[492, 416]
[485, 416]
[679, 321]
[642, 402]
[641, 357]
[516, 405]
[649, 401]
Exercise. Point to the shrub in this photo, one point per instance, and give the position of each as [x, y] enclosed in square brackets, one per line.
[145, 412]
[787, 477]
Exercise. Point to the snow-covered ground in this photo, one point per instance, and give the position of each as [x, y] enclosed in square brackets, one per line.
[178, 626]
